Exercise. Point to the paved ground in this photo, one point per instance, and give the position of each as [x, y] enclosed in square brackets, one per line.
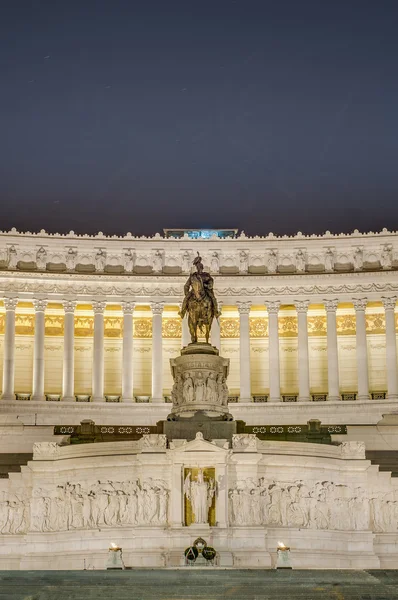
[190, 583]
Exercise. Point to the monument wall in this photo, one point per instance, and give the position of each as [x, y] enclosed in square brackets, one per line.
[71, 502]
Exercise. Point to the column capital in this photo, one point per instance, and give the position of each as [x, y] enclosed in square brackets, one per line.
[389, 303]
[10, 303]
[69, 306]
[40, 304]
[128, 307]
[302, 305]
[98, 306]
[273, 307]
[244, 307]
[331, 305]
[360, 304]
[157, 308]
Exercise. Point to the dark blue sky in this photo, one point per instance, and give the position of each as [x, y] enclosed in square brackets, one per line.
[137, 115]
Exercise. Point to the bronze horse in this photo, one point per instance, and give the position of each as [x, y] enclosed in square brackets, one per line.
[200, 309]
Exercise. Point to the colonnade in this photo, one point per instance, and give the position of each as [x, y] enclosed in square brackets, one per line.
[273, 308]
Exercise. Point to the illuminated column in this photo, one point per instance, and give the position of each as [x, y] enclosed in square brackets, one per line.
[303, 358]
[98, 351]
[157, 355]
[391, 348]
[9, 349]
[362, 349]
[332, 350]
[244, 329]
[68, 373]
[215, 333]
[127, 368]
[38, 352]
[273, 352]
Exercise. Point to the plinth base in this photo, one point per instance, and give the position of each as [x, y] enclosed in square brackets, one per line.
[187, 429]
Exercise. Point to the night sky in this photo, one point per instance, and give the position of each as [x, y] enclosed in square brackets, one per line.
[130, 115]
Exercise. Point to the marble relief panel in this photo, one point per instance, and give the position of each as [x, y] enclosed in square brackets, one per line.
[24, 324]
[172, 328]
[84, 326]
[54, 325]
[142, 327]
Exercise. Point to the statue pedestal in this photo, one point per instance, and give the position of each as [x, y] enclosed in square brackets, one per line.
[199, 383]
[186, 429]
[199, 395]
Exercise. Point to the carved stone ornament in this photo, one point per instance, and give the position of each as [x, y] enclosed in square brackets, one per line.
[244, 442]
[98, 306]
[353, 450]
[153, 442]
[389, 303]
[331, 305]
[10, 303]
[302, 305]
[69, 306]
[40, 304]
[157, 308]
[243, 307]
[273, 307]
[128, 308]
[360, 304]
[301, 504]
[199, 384]
[45, 449]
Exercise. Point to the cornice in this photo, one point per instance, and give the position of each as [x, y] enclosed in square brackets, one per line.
[42, 234]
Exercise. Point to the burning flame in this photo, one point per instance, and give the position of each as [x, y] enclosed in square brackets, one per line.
[113, 545]
[281, 545]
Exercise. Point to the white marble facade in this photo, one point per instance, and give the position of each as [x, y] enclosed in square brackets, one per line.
[327, 503]
[278, 279]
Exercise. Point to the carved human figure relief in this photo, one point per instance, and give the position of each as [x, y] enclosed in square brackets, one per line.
[329, 260]
[243, 261]
[300, 261]
[12, 257]
[200, 388]
[211, 388]
[41, 259]
[215, 263]
[188, 389]
[70, 259]
[272, 265]
[386, 257]
[100, 260]
[200, 493]
[158, 262]
[128, 261]
[358, 258]
[186, 262]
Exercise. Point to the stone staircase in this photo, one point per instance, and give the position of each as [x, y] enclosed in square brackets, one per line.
[387, 460]
[191, 584]
[12, 462]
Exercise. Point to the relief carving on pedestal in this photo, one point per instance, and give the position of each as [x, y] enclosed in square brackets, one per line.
[318, 505]
[85, 506]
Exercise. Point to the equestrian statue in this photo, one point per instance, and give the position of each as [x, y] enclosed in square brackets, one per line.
[199, 302]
